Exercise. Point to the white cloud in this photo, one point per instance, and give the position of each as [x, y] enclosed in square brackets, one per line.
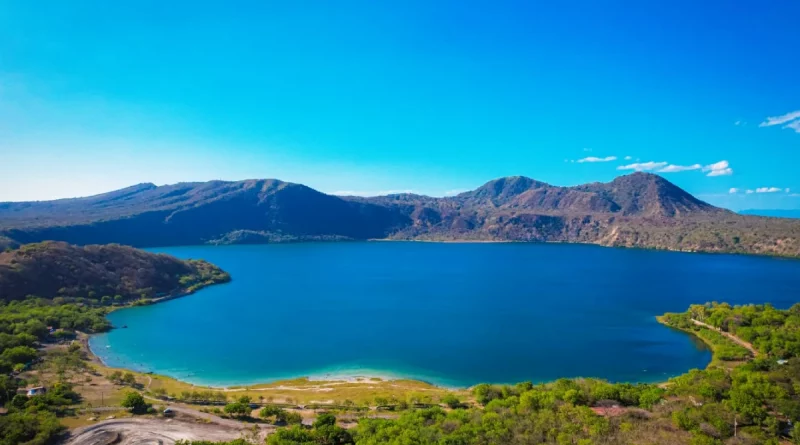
[733, 190]
[768, 190]
[672, 168]
[721, 168]
[778, 120]
[596, 159]
[749, 192]
[368, 193]
[643, 166]
[628, 158]
[787, 190]
[737, 123]
[793, 126]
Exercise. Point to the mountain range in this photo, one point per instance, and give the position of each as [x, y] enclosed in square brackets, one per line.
[636, 210]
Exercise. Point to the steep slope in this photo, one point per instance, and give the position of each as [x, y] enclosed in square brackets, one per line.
[649, 195]
[191, 213]
[57, 269]
[640, 209]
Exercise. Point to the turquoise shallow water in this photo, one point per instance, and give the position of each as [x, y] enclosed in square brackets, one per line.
[451, 314]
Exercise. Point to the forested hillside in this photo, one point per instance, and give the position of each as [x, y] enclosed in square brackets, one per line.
[108, 272]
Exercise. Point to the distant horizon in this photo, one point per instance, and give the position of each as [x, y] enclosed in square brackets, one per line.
[370, 98]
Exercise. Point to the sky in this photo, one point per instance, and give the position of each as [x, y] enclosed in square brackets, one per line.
[432, 97]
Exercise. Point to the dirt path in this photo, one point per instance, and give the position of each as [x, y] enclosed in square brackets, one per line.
[193, 412]
[730, 336]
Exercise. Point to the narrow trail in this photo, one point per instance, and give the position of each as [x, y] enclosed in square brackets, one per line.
[730, 336]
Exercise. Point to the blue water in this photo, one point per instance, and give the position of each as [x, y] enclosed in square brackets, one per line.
[451, 314]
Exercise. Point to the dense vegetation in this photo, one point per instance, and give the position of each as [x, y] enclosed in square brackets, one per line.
[640, 209]
[80, 285]
[106, 274]
[24, 325]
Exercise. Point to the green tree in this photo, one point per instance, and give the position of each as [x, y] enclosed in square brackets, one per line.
[324, 419]
[237, 409]
[135, 402]
[451, 401]
[129, 379]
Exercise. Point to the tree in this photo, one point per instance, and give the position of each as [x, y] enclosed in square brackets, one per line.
[650, 397]
[269, 411]
[135, 402]
[289, 417]
[295, 435]
[129, 379]
[324, 419]
[485, 393]
[115, 377]
[451, 401]
[237, 409]
[19, 354]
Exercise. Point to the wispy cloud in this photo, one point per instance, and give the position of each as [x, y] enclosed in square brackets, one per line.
[721, 168]
[643, 166]
[749, 192]
[672, 168]
[792, 121]
[587, 149]
[733, 190]
[795, 125]
[628, 158]
[768, 190]
[596, 159]
[370, 193]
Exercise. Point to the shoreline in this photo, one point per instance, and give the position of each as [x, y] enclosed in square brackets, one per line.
[319, 377]
[776, 256]
[360, 377]
[334, 377]
[714, 359]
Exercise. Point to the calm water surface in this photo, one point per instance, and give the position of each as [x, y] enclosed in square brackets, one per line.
[451, 314]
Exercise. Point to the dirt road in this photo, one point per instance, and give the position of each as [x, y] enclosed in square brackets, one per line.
[732, 337]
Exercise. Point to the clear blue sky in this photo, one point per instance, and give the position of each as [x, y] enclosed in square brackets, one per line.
[428, 96]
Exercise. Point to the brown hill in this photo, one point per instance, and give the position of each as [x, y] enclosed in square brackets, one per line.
[640, 209]
[57, 269]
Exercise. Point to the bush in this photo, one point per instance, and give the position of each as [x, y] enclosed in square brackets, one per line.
[451, 401]
[135, 402]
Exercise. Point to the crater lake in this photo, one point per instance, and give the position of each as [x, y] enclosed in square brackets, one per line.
[453, 314]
